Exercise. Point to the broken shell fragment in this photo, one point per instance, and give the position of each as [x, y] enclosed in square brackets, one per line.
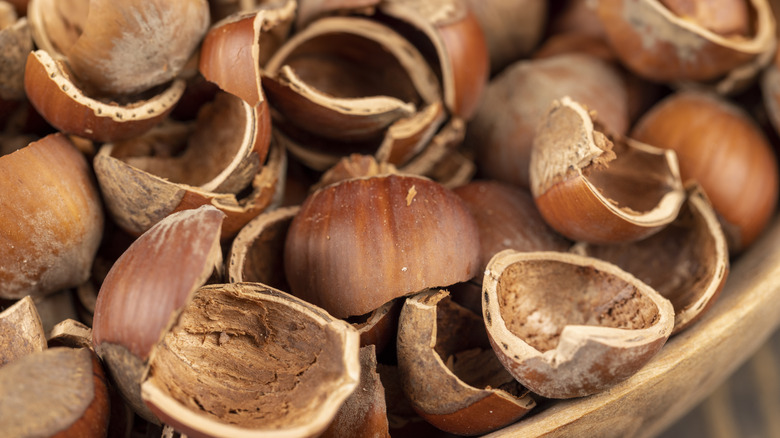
[449, 371]
[150, 281]
[238, 183]
[224, 59]
[687, 262]
[21, 331]
[60, 100]
[567, 325]
[656, 43]
[592, 189]
[239, 352]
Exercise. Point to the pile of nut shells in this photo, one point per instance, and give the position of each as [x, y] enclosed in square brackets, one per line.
[365, 218]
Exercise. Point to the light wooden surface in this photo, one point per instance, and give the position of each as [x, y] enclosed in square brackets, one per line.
[691, 366]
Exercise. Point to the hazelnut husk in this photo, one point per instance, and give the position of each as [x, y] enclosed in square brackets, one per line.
[568, 326]
[246, 360]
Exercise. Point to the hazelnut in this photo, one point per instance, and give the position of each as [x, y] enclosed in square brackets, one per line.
[359, 243]
[721, 147]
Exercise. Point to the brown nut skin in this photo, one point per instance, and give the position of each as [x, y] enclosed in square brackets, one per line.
[360, 243]
[659, 45]
[175, 256]
[592, 189]
[722, 148]
[65, 106]
[51, 218]
[569, 326]
[60, 392]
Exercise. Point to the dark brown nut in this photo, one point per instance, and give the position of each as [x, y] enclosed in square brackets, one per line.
[515, 101]
[449, 371]
[656, 43]
[507, 219]
[592, 189]
[21, 331]
[237, 183]
[56, 392]
[246, 360]
[687, 262]
[177, 255]
[721, 147]
[257, 255]
[360, 243]
[568, 326]
[51, 218]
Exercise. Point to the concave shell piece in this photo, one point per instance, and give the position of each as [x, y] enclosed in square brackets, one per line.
[51, 219]
[60, 100]
[21, 331]
[126, 190]
[687, 262]
[659, 45]
[567, 325]
[591, 189]
[146, 286]
[243, 360]
[350, 79]
[459, 43]
[360, 243]
[224, 58]
[449, 371]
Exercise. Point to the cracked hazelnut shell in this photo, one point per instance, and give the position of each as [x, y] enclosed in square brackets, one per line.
[569, 326]
[449, 371]
[590, 188]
